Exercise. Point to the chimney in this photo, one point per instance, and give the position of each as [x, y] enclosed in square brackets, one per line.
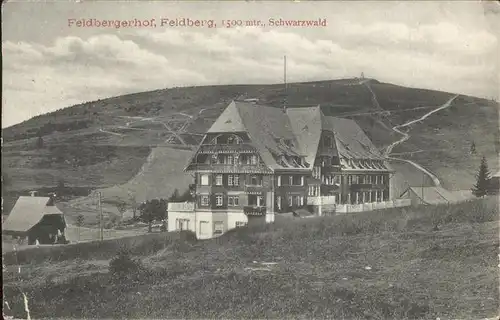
[33, 193]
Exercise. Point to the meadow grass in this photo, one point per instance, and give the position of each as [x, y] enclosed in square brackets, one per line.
[413, 263]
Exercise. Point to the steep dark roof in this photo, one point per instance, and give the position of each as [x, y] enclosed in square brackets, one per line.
[27, 212]
[351, 141]
[269, 129]
[307, 125]
[296, 132]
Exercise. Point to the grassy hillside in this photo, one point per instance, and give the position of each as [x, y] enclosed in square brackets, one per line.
[104, 143]
[390, 264]
[158, 177]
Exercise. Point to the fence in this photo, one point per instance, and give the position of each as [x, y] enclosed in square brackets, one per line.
[345, 208]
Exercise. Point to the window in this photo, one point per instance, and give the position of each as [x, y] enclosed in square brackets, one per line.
[236, 180]
[229, 159]
[279, 181]
[218, 227]
[233, 201]
[253, 159]
[230, 140]
[376, 179]
[215, 158]
[260, 201]
[240, 224]
[382, 180]
[205, 200]
[301, 200]
[310, 190]
[290, 200]
[255, 181]
[218, 180]
[296, 200]
[204, 179]
[236, 159]
[316, 172]
[182, 224]
[278, 200]
[230, 180]
[218, 200]
[301, 180]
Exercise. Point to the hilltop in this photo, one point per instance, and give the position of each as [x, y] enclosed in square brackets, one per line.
[146, 138]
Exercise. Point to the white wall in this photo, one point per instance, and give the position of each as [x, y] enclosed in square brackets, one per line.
[200, 219]
[206, 217]
[233, 217]
[174, 215]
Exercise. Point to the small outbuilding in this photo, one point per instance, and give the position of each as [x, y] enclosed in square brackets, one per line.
[36, 219]
[495, 183]
[435, 195]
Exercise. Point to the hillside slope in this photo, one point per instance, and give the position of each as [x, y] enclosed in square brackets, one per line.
[104, 143]
[388, 264]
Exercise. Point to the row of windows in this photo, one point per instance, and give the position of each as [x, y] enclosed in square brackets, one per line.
[293, 200]
[314, 190]
[232, 201]
[293, 180]
[366, 179]
[235, 159]
[232, 180]
[367, 197]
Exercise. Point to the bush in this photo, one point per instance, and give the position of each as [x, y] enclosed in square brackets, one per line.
[123, 266]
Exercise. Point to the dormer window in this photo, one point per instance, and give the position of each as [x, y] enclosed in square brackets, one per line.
[233, 139]
[253, 159]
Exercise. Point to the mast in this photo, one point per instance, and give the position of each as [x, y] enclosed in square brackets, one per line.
[284, 81]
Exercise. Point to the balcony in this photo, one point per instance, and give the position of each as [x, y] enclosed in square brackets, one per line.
[227, 148]
[258, 190]
[230, 168]
[254, 210]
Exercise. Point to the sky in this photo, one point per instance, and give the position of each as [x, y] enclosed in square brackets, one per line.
[50, 63]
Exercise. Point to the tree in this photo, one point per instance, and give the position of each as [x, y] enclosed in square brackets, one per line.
[79, 222]
[186, 196]
[480, 189]
[174, 196]
[152, 210]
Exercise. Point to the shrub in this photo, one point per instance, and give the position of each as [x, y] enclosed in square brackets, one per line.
[123, 266]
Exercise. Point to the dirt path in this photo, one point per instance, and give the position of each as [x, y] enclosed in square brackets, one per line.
[406, 136]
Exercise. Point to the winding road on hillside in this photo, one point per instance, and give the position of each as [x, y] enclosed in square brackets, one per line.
[406, 136]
